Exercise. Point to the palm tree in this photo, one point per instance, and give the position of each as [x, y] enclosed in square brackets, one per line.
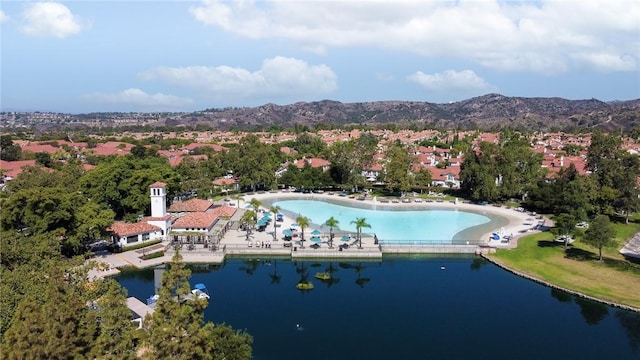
[331, 223]
[360, 223]
[275, 209]
[255, 203]
[249, 220]
[237, 197]
[303, 222]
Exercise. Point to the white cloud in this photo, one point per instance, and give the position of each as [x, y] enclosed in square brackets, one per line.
[278, 77]
[465, 81]
[138, 99]
[544, 36]
[50, 19]
[608, 62]
[3, 17]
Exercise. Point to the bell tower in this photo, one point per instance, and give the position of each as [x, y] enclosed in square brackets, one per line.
[158, 199]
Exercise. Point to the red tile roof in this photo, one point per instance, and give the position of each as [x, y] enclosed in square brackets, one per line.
[224, 211]
[125, 229]
[193, 146]
[158, 184]
[313, 162]
[200, 220]
[191, 205]
[224, 181]
[14, 168]
[38, 148]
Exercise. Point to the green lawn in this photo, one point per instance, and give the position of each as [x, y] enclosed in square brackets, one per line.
[614, 279]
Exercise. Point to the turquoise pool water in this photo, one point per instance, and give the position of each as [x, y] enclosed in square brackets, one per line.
[400, 225]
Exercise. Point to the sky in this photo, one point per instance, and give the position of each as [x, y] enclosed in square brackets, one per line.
[93, 56]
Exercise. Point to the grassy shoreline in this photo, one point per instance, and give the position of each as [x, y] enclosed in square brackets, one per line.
[615, 280]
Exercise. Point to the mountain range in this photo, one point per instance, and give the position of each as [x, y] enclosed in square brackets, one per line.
[488, 112]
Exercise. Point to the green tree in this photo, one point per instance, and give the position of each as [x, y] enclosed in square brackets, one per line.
[54, 325]
[600, 233]
[44, 159]
[628, 200]
[177, 329]
[397, 169]
[275, 210]
[349, 158]
[478, 178]
[122, 184]
[255, 204]
[565, 226]
[8, 150]
[360, 223]
[331, 223]
[603, 160]
[253, 162]
[248, 220]
[303, 222]
[307, 143]
[422, 179]
[115, 338]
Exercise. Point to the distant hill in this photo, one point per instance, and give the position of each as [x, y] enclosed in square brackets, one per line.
[488, 112]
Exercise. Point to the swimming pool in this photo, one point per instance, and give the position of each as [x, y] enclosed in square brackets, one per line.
[398, 226]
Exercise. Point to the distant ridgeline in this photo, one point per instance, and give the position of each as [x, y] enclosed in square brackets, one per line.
[489, 112]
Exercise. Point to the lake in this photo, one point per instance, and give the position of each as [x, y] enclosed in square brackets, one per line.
[404, 308]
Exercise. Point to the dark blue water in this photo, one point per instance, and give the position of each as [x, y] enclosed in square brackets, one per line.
[405, 308]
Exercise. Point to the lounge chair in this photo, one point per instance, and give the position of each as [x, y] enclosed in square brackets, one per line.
[250, 244]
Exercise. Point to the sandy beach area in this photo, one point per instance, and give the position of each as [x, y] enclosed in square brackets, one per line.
[513, 223]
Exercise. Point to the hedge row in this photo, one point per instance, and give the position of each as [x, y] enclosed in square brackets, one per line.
[140, 246]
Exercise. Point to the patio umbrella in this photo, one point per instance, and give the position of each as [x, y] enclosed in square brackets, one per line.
[287, 232]
[346, 238]
[294, 225]
[315, 239]
[315, 232]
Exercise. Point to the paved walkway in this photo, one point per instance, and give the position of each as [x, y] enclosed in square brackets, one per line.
[236, 242]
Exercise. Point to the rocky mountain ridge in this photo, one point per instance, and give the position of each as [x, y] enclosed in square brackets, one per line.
[492, 111]
[488, 112]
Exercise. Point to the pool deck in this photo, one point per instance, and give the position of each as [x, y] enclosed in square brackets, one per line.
[235, 243]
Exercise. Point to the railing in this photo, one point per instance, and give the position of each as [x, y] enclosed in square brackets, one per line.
[443, 242]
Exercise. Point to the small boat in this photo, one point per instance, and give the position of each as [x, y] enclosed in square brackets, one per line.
[200, 291]
[323, 276]
[304, 285]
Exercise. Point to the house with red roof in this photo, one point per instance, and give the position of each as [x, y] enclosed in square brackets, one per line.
[448, 177]
[313, 162]
[156, 226]
[11, 169]
[199, 222]
[226, 183]
[127, 234]
[193, 146]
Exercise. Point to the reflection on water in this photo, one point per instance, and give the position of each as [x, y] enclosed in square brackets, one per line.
[407, 307]
[592, 312]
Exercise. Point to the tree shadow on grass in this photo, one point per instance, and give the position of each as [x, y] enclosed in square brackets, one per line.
[616, 264]
[580, 254]
[622, 264]
[548, 243]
